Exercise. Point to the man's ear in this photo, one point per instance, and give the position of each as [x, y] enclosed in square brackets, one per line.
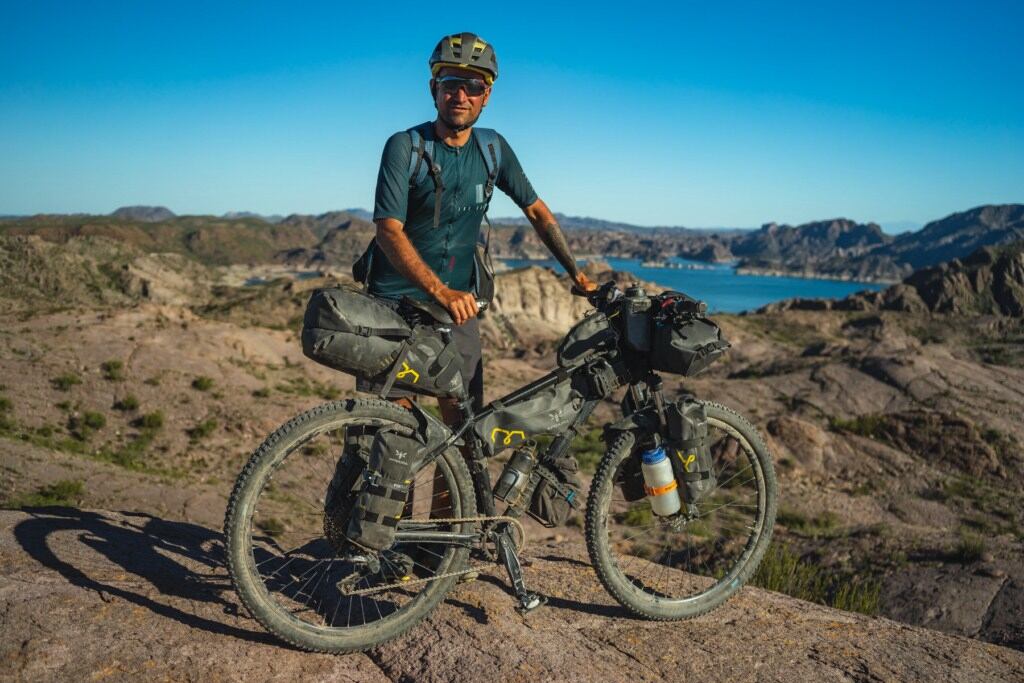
[487, 96]
[433, 89]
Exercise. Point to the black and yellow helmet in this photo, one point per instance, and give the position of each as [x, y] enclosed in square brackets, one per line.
[468, 51]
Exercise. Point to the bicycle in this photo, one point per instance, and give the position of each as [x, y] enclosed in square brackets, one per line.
[295, 572]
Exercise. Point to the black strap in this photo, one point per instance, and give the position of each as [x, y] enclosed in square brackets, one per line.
[419, 160]
[435, 173]
[387, 492]
[383, 520]
[339, 325]
[402, 355]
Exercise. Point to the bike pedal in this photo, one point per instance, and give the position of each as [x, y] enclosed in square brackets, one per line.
[531, 602]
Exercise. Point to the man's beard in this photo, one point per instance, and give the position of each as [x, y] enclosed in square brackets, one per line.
[457, 127]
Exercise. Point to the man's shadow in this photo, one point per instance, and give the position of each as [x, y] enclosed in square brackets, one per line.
[144, 546]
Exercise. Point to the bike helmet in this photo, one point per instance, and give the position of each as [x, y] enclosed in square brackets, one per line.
[468, 51]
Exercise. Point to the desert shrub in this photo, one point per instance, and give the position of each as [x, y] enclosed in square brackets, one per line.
[271, 526]
[825, 523]
[871, 426]
[202, 429]
[152, 381]
[65, 382]
[128, 403]
[202, 383]
[783, 571]
[64, 492]
[262, 392]
[5, 404]
[150, 421]
[113, 370]
[638, 515]
[93, 420]
[969, 548]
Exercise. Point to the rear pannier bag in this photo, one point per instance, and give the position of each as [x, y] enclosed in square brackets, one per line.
[553, 505]
[686, 344]
[393, 461]
[690, 452]
[354, 332]
[549, 411]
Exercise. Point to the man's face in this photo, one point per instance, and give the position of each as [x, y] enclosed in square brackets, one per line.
[459, 107]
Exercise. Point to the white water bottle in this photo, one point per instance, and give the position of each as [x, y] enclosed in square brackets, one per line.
[660, 482]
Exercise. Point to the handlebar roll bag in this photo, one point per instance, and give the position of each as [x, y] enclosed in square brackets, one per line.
[686, 344]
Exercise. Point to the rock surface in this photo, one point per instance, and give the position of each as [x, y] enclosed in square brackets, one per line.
[93, 595]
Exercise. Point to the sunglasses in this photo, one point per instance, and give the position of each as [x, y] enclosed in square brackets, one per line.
[450, 85]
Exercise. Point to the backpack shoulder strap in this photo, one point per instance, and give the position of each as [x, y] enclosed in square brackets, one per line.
[422, 157]
[487, 141]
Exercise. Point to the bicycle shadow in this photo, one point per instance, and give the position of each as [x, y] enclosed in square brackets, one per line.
[154, 550]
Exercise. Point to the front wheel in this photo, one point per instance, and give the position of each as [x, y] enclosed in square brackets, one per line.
[683, 566]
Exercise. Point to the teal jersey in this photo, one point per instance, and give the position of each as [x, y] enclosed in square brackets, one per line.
[448, 248]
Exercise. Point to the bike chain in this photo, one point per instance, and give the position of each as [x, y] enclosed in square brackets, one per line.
[449, 520]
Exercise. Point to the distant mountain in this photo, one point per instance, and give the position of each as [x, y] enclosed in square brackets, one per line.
[818, 248]
[588, 223]
[273, 218]
[325, 223]
[958, 234]
[146, 214]
[362, 214]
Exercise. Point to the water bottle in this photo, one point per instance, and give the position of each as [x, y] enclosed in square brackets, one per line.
[516, 474]
[660, 482]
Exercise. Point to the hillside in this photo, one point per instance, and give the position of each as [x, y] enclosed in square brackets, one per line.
[140, 382]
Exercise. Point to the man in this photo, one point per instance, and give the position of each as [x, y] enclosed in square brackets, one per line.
[428, 251]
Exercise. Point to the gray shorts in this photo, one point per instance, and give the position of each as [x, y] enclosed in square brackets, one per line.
[467, 340]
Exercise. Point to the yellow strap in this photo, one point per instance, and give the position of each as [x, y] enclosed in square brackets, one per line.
[671, 486]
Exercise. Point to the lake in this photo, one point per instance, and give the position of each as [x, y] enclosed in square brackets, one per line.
[720, 286]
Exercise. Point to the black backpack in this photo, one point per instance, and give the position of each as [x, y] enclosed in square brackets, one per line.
[421, 163]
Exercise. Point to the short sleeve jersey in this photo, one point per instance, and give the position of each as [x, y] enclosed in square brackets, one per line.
[448, 248]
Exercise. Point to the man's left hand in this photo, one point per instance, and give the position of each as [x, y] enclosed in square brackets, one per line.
[584, 283]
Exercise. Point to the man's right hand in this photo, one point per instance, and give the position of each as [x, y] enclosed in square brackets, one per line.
[461, 305]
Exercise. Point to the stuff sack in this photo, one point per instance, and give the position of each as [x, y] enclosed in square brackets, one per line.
[687, 423]
[685, 344]
[394, 459]
[350, 331]
[344, 486]
[553, 503]
[549, 411]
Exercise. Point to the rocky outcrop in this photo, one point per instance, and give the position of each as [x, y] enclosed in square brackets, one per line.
[89, 595]
[988, 282]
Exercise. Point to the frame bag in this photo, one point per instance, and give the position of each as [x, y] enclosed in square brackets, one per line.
[548, 411]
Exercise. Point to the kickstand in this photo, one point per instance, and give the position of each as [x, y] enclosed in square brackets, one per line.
[507, 551]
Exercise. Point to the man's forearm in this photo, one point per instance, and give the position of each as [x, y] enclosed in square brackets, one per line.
[403, 256]
[551, 235]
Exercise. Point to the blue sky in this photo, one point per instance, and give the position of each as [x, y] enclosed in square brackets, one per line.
[707, 114]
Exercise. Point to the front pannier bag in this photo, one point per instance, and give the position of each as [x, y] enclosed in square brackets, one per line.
[686, 344]
[348, 330]
[553, 507]
[687, 422]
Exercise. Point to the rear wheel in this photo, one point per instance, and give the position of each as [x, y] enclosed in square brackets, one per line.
[683, 566]
[286, 553]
